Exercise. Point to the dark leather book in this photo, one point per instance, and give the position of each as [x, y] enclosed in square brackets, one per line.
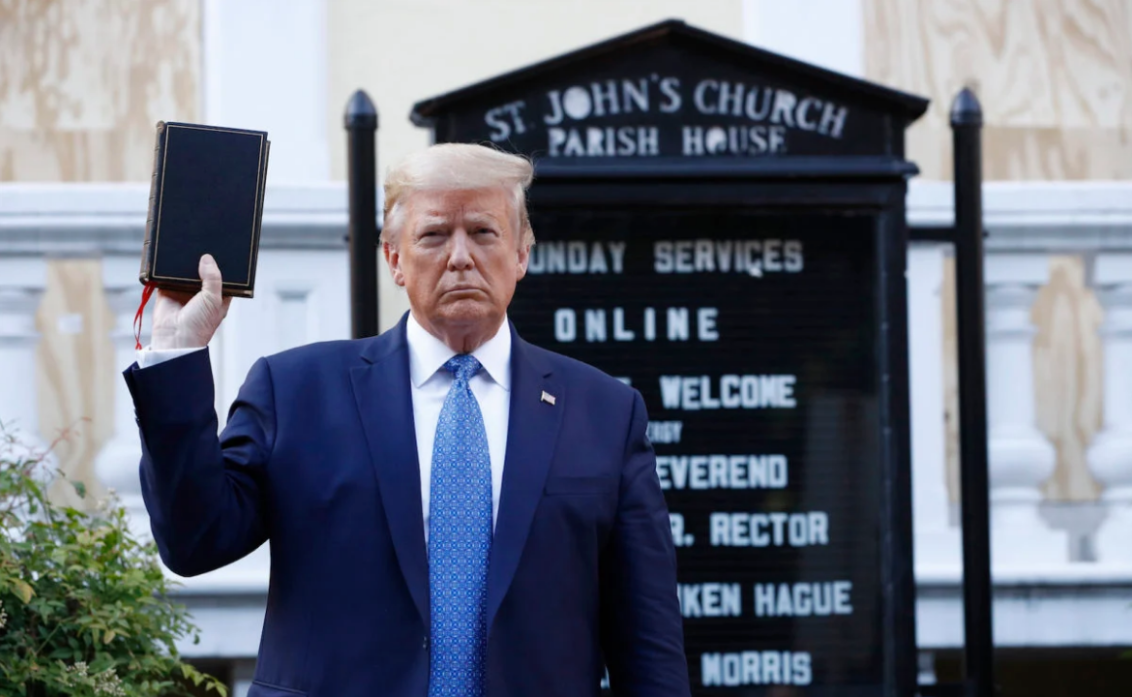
[206, 197]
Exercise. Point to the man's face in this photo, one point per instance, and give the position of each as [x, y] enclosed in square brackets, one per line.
[459, 255]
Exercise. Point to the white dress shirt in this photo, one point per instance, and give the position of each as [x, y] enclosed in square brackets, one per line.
[430, 383]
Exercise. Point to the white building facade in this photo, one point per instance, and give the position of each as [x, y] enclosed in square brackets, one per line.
[1058, 208]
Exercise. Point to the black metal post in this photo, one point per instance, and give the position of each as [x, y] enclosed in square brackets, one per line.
[361, 135]
[966, 125]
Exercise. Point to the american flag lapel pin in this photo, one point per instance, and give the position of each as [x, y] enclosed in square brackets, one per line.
[547, 397]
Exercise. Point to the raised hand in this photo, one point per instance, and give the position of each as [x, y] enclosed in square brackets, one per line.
[188, 320]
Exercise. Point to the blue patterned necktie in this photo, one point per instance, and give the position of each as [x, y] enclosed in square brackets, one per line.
[459, 540]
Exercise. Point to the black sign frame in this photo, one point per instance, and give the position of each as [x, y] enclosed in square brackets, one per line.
[877, 191]
[867, 177]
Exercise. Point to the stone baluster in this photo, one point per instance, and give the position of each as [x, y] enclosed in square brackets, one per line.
[937, 544]
[1021, 458]
[1110, 455]
[116, 465]
[19, 403]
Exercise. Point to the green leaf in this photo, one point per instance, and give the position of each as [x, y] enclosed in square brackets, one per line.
[23, 589]
[80, 489]
[80, 587]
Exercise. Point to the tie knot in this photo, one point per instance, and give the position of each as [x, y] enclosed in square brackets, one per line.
[463, 366]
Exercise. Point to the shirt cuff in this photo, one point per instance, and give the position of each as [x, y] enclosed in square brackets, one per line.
[149, 357]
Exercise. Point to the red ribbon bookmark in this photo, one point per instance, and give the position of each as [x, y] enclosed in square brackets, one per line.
[146, 294]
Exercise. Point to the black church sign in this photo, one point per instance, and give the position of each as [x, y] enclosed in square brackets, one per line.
[724, 229]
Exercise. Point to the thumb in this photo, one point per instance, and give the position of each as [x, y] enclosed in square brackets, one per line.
[210, 276]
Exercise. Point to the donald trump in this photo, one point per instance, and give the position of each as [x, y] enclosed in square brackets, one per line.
[450, 510]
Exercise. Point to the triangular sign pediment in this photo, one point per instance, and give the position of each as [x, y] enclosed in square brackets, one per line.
[674, 91]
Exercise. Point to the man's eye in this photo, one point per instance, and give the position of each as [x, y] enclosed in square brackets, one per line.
[485, 231]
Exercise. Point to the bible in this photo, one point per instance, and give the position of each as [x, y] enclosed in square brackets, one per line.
[206, 197]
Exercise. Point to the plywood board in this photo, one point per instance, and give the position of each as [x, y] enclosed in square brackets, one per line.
[83, 82]
[75, 376]
[1054, 78]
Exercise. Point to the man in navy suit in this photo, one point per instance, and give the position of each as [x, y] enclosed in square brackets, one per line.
[451, 510]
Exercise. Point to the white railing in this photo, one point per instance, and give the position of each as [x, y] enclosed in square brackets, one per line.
[302, 297]
[1062, 570]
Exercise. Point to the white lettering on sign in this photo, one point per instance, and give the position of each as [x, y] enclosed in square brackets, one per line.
[752, 257]
[571, 116]
[592, 141]
[723, 98]
[769, 529]
[612, 97]
[733, 140]
[803, 599]
[601, 325]
[679, 537]
[702, 472]
[710, 599]
[505, 119]
[664, 432]
[577, 257]
[756, 668]
[696, 392]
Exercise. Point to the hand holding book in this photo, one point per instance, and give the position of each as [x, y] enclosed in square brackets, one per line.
[206, 197]
[188, 320]
[205, 209]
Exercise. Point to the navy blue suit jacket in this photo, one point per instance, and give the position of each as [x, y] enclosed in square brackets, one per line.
[319, 458]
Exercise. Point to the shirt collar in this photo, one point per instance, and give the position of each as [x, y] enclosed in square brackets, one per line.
[428, 354]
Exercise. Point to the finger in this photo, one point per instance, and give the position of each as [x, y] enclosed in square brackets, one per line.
[224, 307]
[210, 276]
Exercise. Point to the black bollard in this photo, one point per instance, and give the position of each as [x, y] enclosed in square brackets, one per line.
[361, 135]
[978, 659]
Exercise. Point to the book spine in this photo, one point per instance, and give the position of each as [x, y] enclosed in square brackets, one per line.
[151, 219]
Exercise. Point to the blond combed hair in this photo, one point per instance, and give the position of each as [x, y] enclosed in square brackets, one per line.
[457, 166]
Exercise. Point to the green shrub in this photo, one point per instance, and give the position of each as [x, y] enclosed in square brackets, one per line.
[84, 606]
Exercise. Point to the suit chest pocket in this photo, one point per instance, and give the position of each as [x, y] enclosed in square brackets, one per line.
[584, 506]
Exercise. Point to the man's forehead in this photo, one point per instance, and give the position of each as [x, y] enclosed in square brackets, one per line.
[491, 204]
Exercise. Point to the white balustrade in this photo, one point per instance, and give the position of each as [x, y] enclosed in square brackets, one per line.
[116, 465]
[1021, 457]
[937, 544]
[302, 296]
[1110, 455]
[22, 283]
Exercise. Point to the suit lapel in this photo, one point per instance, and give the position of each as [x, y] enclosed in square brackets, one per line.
[531, 435]
[384, 399]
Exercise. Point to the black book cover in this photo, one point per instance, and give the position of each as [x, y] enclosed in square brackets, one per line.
[206, 197]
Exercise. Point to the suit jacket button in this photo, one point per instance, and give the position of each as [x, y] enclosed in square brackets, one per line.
[425, 644]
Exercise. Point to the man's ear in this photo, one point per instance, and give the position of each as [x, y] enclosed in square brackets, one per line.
[524, 258]
[393, 260]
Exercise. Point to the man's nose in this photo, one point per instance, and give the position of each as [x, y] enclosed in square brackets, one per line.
[460, 253]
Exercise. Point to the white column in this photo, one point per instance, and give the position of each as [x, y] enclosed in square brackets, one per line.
[1110, 455]
[116, 465]
[1021, 458]
[937, 544]
[22, 283]
[271, 76]
[829, 33]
